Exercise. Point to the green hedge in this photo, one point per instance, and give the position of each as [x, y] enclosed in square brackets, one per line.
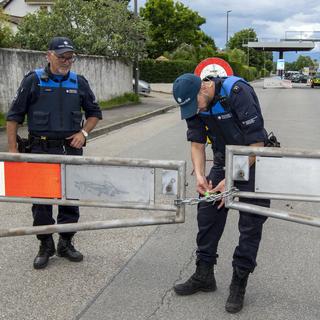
[240, 70]
[167, 71]
[164, 71]
[2, 119]
[264, 72]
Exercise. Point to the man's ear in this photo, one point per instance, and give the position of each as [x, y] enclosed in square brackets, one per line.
[48, 56]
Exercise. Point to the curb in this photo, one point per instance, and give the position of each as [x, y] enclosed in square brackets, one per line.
[103, 130]
[114, 126]
[159, 91]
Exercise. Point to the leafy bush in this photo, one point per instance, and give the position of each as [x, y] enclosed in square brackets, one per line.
[6, 35]
[127, 98]
[97, 27]
[164, 71]
[167, 71]
[2, 119]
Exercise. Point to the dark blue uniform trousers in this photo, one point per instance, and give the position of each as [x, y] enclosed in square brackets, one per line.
[211, 223]
[42, 214]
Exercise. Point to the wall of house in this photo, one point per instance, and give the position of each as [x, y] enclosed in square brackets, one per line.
[20, 8]
[107, 78]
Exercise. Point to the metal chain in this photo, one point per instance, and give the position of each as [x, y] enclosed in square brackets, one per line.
[209, 197]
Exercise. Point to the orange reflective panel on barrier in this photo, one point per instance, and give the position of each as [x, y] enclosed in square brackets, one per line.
[38, 180]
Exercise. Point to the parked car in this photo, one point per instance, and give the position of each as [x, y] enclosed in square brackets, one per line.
[143, 86]
[300, 78]
[315, 81]
[289, 74]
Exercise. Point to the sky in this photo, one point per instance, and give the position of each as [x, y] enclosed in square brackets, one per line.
[271, 19]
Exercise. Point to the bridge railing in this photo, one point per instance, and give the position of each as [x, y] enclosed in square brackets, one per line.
[302, 36]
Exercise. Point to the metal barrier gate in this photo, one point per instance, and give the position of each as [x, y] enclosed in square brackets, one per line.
[281, 174]
[95, 182]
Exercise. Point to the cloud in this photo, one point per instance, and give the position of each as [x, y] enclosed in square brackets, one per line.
[269, 18]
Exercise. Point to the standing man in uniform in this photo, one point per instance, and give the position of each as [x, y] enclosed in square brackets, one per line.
[52, 98]
[230, 110]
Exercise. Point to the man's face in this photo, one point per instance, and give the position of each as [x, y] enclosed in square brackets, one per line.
[205, 94]
[60, 64]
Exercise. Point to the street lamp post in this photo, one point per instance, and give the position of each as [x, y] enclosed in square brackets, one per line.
[227, 37]
[136, 61]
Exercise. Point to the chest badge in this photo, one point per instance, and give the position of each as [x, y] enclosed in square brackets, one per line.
[71, 91]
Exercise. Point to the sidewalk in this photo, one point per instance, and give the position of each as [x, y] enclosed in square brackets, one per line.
[116, 118]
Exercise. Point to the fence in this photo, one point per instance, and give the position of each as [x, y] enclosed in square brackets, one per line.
[151, 185]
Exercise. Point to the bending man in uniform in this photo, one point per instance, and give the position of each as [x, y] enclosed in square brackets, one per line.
[230, 110]
[52, 98]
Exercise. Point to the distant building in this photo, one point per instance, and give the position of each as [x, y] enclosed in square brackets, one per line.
[17, 9]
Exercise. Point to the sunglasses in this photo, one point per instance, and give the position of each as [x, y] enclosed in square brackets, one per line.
[73, 58]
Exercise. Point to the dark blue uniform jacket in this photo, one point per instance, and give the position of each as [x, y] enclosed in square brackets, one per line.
[236, 119]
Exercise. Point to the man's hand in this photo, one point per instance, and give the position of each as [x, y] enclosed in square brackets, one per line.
[77, 140]
[220, 188]
[203, 185]
[13, 150]
[12, 129]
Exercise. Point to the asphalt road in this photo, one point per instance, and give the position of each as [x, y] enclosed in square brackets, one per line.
[129, 273]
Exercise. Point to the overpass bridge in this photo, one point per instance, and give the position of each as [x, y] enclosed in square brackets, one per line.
[293, 41]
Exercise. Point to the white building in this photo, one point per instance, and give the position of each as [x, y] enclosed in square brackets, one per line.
[17, 9]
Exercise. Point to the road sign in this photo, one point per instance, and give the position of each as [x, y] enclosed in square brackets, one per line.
[280, 64]
[215, 67]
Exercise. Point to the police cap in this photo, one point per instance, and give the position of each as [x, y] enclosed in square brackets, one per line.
[185, 91]
[61, 45]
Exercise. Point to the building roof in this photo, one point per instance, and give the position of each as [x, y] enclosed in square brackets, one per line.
[4, 3]
[13, 19]
[41, 2]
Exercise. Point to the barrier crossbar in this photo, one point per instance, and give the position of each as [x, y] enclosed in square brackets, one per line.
[142, 184]
[280, 174]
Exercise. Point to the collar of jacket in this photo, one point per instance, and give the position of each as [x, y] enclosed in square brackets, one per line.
[52, 76]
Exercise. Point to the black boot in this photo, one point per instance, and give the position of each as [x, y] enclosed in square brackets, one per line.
[66, 249]
[202, 280]
[46, 251]
[237, 290]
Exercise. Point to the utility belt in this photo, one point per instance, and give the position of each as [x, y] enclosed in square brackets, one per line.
[48, 142]
[25, 145]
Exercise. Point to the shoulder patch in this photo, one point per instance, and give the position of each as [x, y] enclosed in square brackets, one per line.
[236, 89]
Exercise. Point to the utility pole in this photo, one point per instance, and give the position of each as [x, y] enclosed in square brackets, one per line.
[136, 60]
[227, 33]
[248, 52]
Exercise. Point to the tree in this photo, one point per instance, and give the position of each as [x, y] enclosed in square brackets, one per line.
[291, 66]
[188, 52]
[304, 61]
[6, 35]
[237, 55]
[171, 25]
[100, 27]
[258, 59]
[300, 63]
